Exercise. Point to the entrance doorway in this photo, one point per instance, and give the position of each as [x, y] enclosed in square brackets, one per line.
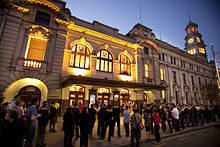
[124, 97]
[103, 96]
[77, 95]
[28, 93]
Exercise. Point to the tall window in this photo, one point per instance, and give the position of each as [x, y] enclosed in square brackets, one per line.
[147, 70]
[125, 65]
[192, 78]
[174, 76]
[162, 74]
[43, 18]
[35, 51]
[79, 56]
[184, 79]
[199, 81]
[104, 61]
[146, 50]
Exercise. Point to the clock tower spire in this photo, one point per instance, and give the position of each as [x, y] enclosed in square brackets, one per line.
[194, 44]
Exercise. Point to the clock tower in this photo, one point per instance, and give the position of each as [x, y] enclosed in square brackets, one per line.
[194, 44]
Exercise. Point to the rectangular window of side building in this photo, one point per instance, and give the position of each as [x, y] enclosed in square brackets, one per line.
[147, 70]
[174, 76]
[162, 74]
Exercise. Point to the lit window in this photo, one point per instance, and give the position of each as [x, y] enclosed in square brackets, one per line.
[147, 70]
[202, 50]
[125, 65]
[35, 51]
[162, 74]
[193, 51]
[163, 94]
[193, 29]
[79, 56]
[104, 61]
[188, 30]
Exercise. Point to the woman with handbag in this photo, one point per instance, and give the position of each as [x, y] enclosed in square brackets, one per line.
[135, 129]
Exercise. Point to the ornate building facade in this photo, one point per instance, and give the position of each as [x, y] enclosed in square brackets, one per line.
[48, 54]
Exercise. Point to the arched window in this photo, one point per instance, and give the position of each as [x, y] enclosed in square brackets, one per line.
[104, 61]
[79, 56]
[125, 65]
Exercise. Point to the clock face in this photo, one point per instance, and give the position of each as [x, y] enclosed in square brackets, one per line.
[190, 40]
[198, 39]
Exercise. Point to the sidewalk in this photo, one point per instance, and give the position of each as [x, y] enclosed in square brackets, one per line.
[56, 139]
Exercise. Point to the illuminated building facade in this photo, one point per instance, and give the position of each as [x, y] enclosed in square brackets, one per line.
[48, 54]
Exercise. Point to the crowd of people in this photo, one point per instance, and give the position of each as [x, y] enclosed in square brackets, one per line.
[18, 122]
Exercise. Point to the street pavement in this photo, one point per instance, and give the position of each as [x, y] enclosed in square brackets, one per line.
[56, 139]
[209, 137]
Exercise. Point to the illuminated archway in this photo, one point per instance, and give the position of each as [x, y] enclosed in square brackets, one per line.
[16, 86]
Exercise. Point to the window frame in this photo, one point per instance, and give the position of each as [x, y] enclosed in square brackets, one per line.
[123, 63]
[105, 60]
[162, 74]
[85, 55]
[147, 74]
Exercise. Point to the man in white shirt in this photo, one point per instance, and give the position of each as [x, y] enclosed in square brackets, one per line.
[175, 120]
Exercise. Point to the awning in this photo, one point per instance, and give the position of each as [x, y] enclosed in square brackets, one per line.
[70, 80]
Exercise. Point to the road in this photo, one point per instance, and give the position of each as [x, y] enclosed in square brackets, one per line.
[209, 137]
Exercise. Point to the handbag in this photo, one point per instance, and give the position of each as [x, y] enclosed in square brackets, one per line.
[139, 126]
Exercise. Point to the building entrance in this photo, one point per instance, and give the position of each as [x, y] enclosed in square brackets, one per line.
[103, 96]
[28, 93]
[77, 95]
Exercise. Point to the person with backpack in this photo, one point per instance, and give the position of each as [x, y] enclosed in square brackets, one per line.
[148, 117]
[68, 127]
[135, 131]
[42, 124]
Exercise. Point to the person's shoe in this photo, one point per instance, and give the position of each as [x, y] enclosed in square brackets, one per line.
[54, 131]
[50, 130]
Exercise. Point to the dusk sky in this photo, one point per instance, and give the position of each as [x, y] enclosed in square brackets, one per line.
[165, 17]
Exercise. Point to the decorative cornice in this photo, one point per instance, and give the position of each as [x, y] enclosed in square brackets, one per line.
[45, 3]
[22, 9]
[81, 29]
[87, 31]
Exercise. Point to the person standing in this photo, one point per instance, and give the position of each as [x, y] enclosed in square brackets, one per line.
[92, 118]
[76, 112]
[107, 123]
[201, 114]
[53, 117]
[84, 127]
[169, 120]
[18, 108]
[175, 120]
[32, 116]
[182, 116]
[100, 115]
[187, 115]
[42, 124]
[156, 124]
[135, 132]
[163, 117]
[14, 133]
[68, 127]
[148, 117]
[126, 114]
[116, 118]
[11, 105]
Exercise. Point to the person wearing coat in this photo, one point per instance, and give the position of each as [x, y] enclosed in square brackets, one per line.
[68, 127]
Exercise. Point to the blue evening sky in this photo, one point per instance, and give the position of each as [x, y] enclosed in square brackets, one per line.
[165, 17]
